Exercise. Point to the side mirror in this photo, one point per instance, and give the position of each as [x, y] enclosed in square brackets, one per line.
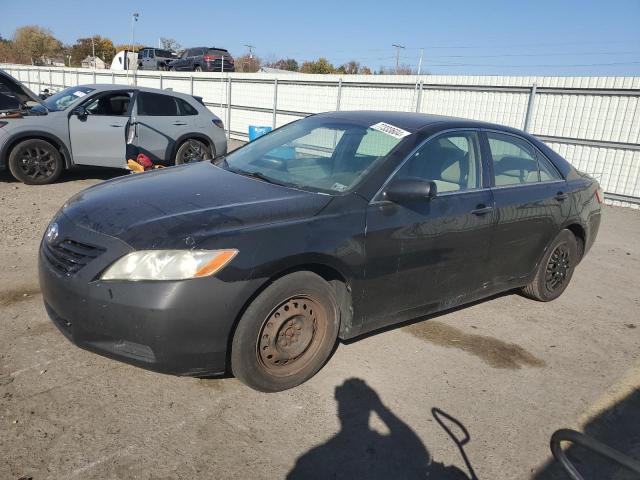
[400, 191]
[80, 112]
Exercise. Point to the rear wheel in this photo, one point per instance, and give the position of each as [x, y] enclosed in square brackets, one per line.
[198, 68]
[555, 270]
[35, 162]
[193, 150]
[287, 333]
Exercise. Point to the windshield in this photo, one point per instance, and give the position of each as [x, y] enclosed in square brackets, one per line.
[316, 153]
[63, 99]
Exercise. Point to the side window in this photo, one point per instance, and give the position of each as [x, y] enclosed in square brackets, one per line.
[150, 54]
[185, 108]
[157, 105]
[452, 161]
[113, 104]
[514, 160]
[547, 171]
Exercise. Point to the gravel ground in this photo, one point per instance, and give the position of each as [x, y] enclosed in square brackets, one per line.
[509, 371]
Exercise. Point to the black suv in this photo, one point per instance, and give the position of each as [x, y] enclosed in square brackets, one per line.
[151, 58]
[204, 59]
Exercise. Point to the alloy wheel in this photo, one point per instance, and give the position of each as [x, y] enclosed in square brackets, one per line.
[37, 163]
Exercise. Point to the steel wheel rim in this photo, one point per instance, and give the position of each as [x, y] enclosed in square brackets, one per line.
[558, 268]
[37, 162]
[194, 152]
[291, 335]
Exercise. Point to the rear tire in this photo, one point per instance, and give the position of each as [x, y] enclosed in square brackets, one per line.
[286, 334]
[555, 270]
[193, 150]
[35, 162]
[197, 69]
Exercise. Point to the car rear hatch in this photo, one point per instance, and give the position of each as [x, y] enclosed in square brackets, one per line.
[215, 56]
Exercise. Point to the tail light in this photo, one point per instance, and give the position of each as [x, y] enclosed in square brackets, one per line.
[599, 194]
[209, 58]
[218, 123]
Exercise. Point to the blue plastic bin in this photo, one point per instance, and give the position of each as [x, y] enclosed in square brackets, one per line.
[255, 132]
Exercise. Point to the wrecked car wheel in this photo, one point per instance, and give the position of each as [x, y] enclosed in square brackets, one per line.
[287, 333]
[35, 162]
[193, 151]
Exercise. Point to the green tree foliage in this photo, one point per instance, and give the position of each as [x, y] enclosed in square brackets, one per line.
[322, 65]
[32, 42]
[84, 47]
[285, 64]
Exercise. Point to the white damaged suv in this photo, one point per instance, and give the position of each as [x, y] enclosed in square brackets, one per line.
[99, 125]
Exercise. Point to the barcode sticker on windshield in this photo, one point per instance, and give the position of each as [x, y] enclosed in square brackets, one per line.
[390, 130]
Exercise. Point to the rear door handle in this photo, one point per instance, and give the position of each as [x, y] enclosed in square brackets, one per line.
[561, 196]
[482, 210]
[116, 125]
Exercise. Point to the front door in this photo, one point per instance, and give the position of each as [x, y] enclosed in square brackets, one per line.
[98, 136]
[427, 255]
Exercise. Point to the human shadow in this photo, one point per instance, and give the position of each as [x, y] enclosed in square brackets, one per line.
[617, 427]
[358, 452]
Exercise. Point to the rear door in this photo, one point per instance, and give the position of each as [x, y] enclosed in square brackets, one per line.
[99, 138]
[158, 124]
[531, 205]
[425, 255]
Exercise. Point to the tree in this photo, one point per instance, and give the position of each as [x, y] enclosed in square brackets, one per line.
[285, 64]
[170, 44]
[127, 46]
[322, 65]
[351, 68]
[84, 47]
[365, 71]
[248, 63]
[32, 42]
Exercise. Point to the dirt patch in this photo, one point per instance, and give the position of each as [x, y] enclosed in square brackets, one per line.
[495, 352]
[9, 297]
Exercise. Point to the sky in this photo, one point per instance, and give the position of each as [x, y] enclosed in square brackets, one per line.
[481, 37]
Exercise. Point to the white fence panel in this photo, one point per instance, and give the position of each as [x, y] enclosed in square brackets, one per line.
[594, 122]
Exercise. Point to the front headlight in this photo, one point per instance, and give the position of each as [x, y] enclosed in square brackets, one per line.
[169, 264]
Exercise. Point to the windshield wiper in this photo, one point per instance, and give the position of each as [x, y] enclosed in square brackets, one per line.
[258, 175]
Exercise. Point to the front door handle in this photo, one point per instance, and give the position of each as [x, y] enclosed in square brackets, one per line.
[561, 196]
[482, 210]
[116, 125]
[179, 123]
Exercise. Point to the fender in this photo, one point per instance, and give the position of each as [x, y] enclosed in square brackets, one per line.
[195, 135]
[26, 134]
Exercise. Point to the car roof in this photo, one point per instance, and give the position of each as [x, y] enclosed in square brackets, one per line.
[413, 122]
[107, 87]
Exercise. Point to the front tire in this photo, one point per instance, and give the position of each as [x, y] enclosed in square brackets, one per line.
[198, 69]
[286, 334]
[35, 162]
[555, 270]
[193, 150]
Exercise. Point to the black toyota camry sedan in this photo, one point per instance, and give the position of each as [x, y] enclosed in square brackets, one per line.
[330, 227]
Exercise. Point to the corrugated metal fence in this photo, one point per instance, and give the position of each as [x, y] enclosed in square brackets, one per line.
[594, 122]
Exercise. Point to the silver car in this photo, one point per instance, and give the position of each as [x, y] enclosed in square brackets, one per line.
[101, 125]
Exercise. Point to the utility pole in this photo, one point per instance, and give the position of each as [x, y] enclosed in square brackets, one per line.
[398, 47]
[420, 61]
[134, 19]
[93, 51]
[250, 47]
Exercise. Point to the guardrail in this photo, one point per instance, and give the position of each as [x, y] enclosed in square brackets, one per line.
[594, 122]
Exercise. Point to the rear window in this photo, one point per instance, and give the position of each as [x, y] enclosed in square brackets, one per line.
[217, 53]
[163, 53]
[157, 105]
[185, 108]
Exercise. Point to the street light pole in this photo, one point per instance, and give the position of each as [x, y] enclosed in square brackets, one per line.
[398, 47]
[93, 51]
[134, 19]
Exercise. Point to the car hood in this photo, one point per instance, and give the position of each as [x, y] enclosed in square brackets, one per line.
[189, 204]
[11, 88]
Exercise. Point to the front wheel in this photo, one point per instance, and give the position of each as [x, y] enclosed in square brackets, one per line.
[35, 162]
[193, 150]
[197, 69]
[286, 334]
[555, 270]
